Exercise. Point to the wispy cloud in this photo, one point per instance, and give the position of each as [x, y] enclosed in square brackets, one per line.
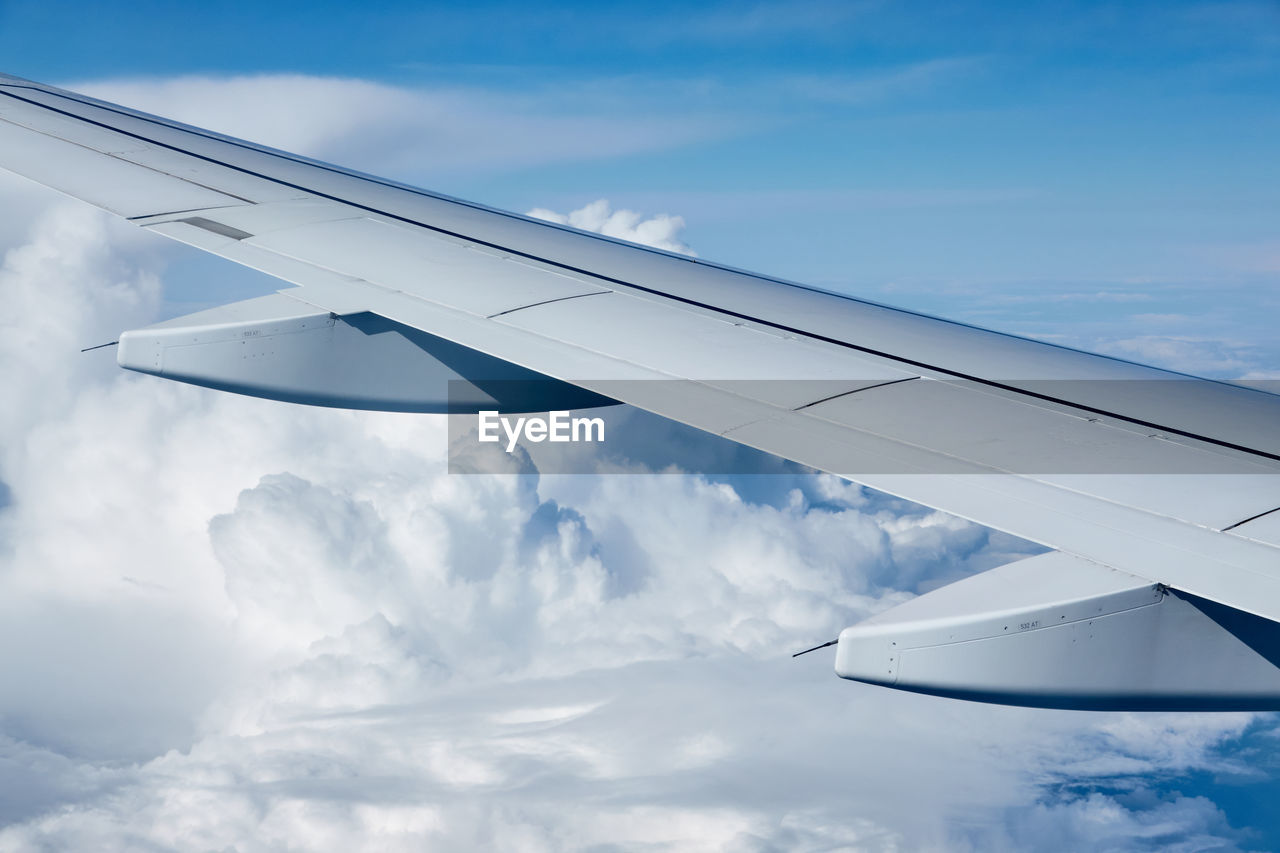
[879, 84]
[1197, 355]
[418, 132]
[774, 20]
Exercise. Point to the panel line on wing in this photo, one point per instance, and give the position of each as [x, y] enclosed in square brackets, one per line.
[545, 302]
[1251, 518]
[853, 391]
[138, 219]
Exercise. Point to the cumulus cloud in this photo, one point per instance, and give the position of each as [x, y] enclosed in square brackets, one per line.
[661, 231]
[235, 624]
[65, 291]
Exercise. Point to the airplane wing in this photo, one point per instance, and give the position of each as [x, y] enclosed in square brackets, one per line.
[1158, 491]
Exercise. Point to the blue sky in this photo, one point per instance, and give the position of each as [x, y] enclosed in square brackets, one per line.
[1103, 175]
[993, 161]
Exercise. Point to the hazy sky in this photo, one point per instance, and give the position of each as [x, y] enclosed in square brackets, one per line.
[235, 624]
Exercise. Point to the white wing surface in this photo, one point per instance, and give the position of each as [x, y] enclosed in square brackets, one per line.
[1160, 492]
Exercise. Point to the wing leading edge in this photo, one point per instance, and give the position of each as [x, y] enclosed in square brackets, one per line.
[1166, 479]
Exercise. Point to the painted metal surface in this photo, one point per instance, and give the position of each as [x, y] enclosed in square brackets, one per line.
[1142, 470]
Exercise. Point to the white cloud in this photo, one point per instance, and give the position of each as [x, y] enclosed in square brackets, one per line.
[65, 291]
[1100, 822]
[235, 624]
[413, 133]
[661, 231]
